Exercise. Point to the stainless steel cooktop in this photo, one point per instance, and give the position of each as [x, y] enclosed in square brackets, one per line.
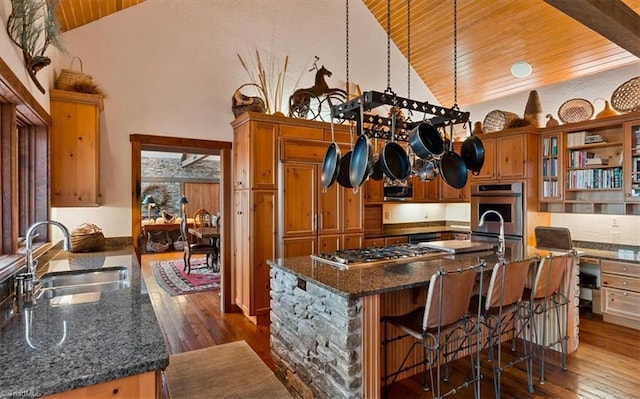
[372, 256]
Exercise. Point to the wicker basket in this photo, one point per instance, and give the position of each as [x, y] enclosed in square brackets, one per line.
[498, 120]
[69, 77]
[86, 238]
[575, 110]
[626, 98]
[87, 242]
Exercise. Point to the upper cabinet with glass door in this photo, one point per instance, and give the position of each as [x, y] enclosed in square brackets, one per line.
[632, 166]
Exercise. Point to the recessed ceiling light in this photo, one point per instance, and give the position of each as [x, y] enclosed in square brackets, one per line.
[521, 69]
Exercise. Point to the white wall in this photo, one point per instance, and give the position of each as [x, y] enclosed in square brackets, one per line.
[170, 68]
[11, 54]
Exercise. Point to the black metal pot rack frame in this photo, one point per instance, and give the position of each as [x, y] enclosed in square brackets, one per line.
[380, 127]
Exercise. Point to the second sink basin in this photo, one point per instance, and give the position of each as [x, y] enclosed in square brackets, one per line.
[84, 281]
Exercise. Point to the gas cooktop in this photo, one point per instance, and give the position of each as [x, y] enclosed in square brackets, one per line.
[370, 256]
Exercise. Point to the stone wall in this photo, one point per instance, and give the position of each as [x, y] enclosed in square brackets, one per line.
[316, 339]
[169, 174]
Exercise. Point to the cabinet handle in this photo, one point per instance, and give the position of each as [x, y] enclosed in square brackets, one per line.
[624, 283]
[624, 268]
[239, 213]
[238, 183]
[627, 195]
[625, 293]
[320, 222]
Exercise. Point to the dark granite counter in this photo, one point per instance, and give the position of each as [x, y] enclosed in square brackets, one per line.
[359, 281]
[406, 229]
[58, 347]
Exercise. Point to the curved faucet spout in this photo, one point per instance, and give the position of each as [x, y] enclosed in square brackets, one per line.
[501, 235]
[31, 269]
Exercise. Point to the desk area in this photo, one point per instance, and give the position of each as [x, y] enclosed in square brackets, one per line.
[152, 227]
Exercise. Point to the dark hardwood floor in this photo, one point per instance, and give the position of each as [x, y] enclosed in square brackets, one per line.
[606, 365]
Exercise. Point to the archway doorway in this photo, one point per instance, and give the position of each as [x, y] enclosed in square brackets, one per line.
[141, 143]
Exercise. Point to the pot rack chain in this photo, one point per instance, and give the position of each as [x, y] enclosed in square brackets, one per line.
[380, 127]
[346, 37]
[455, 54]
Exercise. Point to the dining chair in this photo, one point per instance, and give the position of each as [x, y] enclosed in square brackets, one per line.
[195, 248]
[443, 327]
[201, 218]
[550, 293]
[500, 316]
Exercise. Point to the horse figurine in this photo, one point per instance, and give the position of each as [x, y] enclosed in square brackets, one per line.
[300, 100]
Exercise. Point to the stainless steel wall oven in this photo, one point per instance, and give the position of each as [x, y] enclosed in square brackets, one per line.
[506, 199]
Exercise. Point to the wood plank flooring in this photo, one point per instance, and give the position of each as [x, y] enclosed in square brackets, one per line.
[606, 365]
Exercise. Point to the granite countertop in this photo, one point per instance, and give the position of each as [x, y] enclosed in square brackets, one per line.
[405, 229]
[71, 346]
[359, 281]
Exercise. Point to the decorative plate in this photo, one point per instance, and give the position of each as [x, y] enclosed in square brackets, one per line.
[575, 110]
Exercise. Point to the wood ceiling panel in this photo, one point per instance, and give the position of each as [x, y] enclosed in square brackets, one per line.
[492, 35]
[74, 13]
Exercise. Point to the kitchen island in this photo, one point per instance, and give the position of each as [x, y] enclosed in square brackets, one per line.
[106, 343]
[325, 320]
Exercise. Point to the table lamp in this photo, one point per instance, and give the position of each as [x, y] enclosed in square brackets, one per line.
[149, 201]
[183, 201]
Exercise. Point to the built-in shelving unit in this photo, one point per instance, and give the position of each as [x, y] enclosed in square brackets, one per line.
[591, 167]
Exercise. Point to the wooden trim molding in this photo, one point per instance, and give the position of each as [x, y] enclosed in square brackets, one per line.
[13, 91]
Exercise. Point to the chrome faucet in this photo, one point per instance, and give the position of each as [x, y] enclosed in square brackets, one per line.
[29, 278]
[500, 236]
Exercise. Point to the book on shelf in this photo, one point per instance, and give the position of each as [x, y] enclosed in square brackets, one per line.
[576, 139]
[596, 161]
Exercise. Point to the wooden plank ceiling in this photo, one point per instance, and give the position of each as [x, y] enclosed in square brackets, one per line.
[492, 35]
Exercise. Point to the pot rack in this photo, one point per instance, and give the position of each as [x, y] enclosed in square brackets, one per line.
[376, 126]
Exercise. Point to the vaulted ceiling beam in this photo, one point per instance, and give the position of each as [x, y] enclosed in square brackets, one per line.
[612, 19]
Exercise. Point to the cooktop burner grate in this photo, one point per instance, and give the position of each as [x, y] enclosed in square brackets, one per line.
[361, 256]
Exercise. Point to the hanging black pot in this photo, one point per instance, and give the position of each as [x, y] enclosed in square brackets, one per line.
[343, 173]
[472, 153]
[395, 161]
[331, 162]
[376, 172]
[453, 170]
[425, 141]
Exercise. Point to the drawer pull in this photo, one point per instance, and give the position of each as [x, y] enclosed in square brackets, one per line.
[624, 268]
[625, 293]
[624, 283]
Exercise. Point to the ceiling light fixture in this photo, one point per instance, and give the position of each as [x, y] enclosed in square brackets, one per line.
[521, 69]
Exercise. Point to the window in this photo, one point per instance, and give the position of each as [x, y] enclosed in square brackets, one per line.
[24, 188]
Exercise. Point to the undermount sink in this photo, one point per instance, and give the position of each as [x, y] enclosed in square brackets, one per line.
[83, 281]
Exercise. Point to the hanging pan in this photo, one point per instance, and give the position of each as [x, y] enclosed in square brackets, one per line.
[395, 161]
[331, 163]
[362, 157]
[452, 167]
[472, 153]
[345, 164]
[376, 172]
[425, 141]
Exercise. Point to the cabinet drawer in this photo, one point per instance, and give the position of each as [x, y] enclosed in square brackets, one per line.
[622, 282]
[628, 269]
[621, 303]
[301, 132]
[396, 240]
[373, 242]
[303, 150]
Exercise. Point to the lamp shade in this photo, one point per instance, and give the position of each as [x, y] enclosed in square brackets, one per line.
[148, 200]
[183, 200]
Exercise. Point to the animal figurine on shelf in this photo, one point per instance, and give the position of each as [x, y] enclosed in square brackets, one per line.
[311, 99]
[241, 103]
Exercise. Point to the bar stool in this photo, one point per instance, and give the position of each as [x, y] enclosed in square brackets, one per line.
[443, 322]
[500, 316]
[550, 293]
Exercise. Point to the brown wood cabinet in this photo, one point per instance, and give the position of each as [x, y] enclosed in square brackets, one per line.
[280, 207]
[509, 155]
[621, 293]
[255, 214]
[75, 149]
[146, 385]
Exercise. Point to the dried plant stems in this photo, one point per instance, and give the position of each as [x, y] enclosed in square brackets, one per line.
[271, 87]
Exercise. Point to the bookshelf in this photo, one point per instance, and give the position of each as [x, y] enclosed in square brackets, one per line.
[591, 167]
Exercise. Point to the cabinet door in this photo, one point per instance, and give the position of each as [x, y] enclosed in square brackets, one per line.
[373, 191]
[632, 163]
[298, 246]
[75, 149]
[352, 211]
[264, 160]
[329, 210]
[425, 191]
[511, 157]
[299, 195]
[241, 156]
[551, 167]
[263, 242]
[448, 193]
[329, 243]
[488, 170]
[352, 241]
[241, 248]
